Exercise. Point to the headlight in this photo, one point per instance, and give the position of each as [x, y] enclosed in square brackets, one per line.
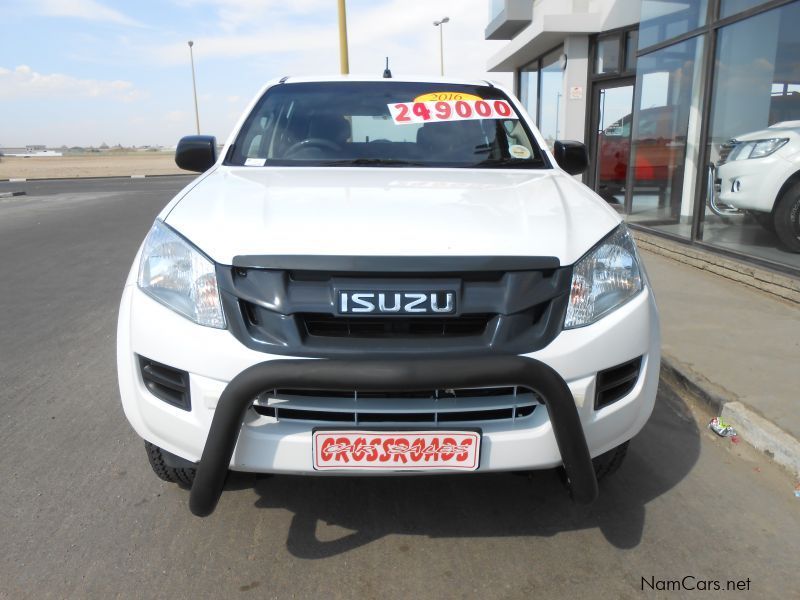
[603, 280]
[757, 148]
[176, 274]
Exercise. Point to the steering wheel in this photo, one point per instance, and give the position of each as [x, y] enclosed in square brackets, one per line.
[312, 143]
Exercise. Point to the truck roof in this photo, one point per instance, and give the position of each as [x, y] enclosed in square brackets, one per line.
[408, 78]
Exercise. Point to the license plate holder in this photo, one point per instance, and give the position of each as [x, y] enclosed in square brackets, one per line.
[394, 450]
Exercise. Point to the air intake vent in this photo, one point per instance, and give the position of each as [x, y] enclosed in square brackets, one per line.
[166, 383]
[430, 418]
[323, 325]
[430, 407]
[616, 382]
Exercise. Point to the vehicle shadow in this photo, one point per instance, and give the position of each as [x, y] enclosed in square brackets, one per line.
[489, 505]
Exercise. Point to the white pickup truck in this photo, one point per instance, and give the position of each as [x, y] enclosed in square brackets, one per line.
[386, 276]
[760, 173]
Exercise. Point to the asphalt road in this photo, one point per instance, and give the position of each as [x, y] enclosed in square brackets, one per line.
[81, 514]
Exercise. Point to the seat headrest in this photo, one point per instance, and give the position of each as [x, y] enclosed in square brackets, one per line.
[455, 140]
[329, 127]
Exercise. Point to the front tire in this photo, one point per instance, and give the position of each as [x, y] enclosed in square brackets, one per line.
[787, 218]
[605, 465]
[182, 476]
[764, 219]
[609, 463]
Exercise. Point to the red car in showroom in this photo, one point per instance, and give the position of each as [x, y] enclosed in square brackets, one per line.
[657, 152]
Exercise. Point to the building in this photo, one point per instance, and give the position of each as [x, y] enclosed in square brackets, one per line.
[37, 150]
[668, 86]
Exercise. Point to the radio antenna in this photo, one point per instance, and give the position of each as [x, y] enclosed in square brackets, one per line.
[387, 74]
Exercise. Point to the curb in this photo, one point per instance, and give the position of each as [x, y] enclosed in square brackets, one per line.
[779, 285]
[761, 433]
[11, 194]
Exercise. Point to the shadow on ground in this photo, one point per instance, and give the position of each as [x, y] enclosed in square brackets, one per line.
[490, 505]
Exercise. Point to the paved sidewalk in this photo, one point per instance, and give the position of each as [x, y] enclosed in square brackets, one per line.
[735, 347]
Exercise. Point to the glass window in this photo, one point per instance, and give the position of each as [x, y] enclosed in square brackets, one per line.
[755, 138]
[372, 128]
[607, 55]
[550, 112]
[731, 7]
[666, 123]
[613, 141]
[662, 20]
[631, 45]
[529, 88]
[385, 123]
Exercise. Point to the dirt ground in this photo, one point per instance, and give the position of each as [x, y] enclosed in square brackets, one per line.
[89, 165]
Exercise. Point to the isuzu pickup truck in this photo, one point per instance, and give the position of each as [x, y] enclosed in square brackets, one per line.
[386, 277]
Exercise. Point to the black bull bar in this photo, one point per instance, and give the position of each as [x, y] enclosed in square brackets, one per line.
[403, 374]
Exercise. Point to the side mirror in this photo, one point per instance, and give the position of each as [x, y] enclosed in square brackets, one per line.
[196, 153]
[571, 156]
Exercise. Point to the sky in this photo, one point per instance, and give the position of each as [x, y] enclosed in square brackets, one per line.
[87, 72]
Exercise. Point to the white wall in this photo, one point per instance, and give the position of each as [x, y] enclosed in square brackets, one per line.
[618, 13]
[576, 47]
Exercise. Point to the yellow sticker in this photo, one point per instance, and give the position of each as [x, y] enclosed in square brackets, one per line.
[437, 96]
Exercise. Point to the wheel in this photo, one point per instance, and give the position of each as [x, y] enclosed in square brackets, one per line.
[787, 218]
[611, 199]
[181, 476]
[609, 463]
[609, 193]
[604, 465]
[763, 219]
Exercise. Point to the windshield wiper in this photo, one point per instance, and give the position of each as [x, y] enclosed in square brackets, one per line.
[509, 162]
[371, 162]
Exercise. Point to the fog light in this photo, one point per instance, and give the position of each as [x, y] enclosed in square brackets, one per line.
[737, 185]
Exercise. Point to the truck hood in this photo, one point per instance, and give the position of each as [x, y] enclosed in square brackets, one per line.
[367, 211]
[792, 128]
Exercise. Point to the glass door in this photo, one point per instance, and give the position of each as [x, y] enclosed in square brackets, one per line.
[612, 117]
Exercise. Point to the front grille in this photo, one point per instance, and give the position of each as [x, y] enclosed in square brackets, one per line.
[616, 383]
[398, 408]
[166, 383]
[327, 325]
[430, 394]
[292, 311]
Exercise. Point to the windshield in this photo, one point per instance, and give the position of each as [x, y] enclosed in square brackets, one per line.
[385, 123]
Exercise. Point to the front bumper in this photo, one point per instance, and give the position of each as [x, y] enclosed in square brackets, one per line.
[386, 376]
[215, 361]
[753, 184]
[213, 358]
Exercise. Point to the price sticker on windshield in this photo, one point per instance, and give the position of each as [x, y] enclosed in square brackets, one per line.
[405, 113]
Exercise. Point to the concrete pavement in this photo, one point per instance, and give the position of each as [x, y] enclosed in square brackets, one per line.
[737, 349]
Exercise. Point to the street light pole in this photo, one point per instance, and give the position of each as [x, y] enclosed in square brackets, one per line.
[440, 24]
[194, 89]
[344, 61]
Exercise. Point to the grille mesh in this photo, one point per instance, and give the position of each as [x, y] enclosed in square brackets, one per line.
[325, 325]
[427, 407]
